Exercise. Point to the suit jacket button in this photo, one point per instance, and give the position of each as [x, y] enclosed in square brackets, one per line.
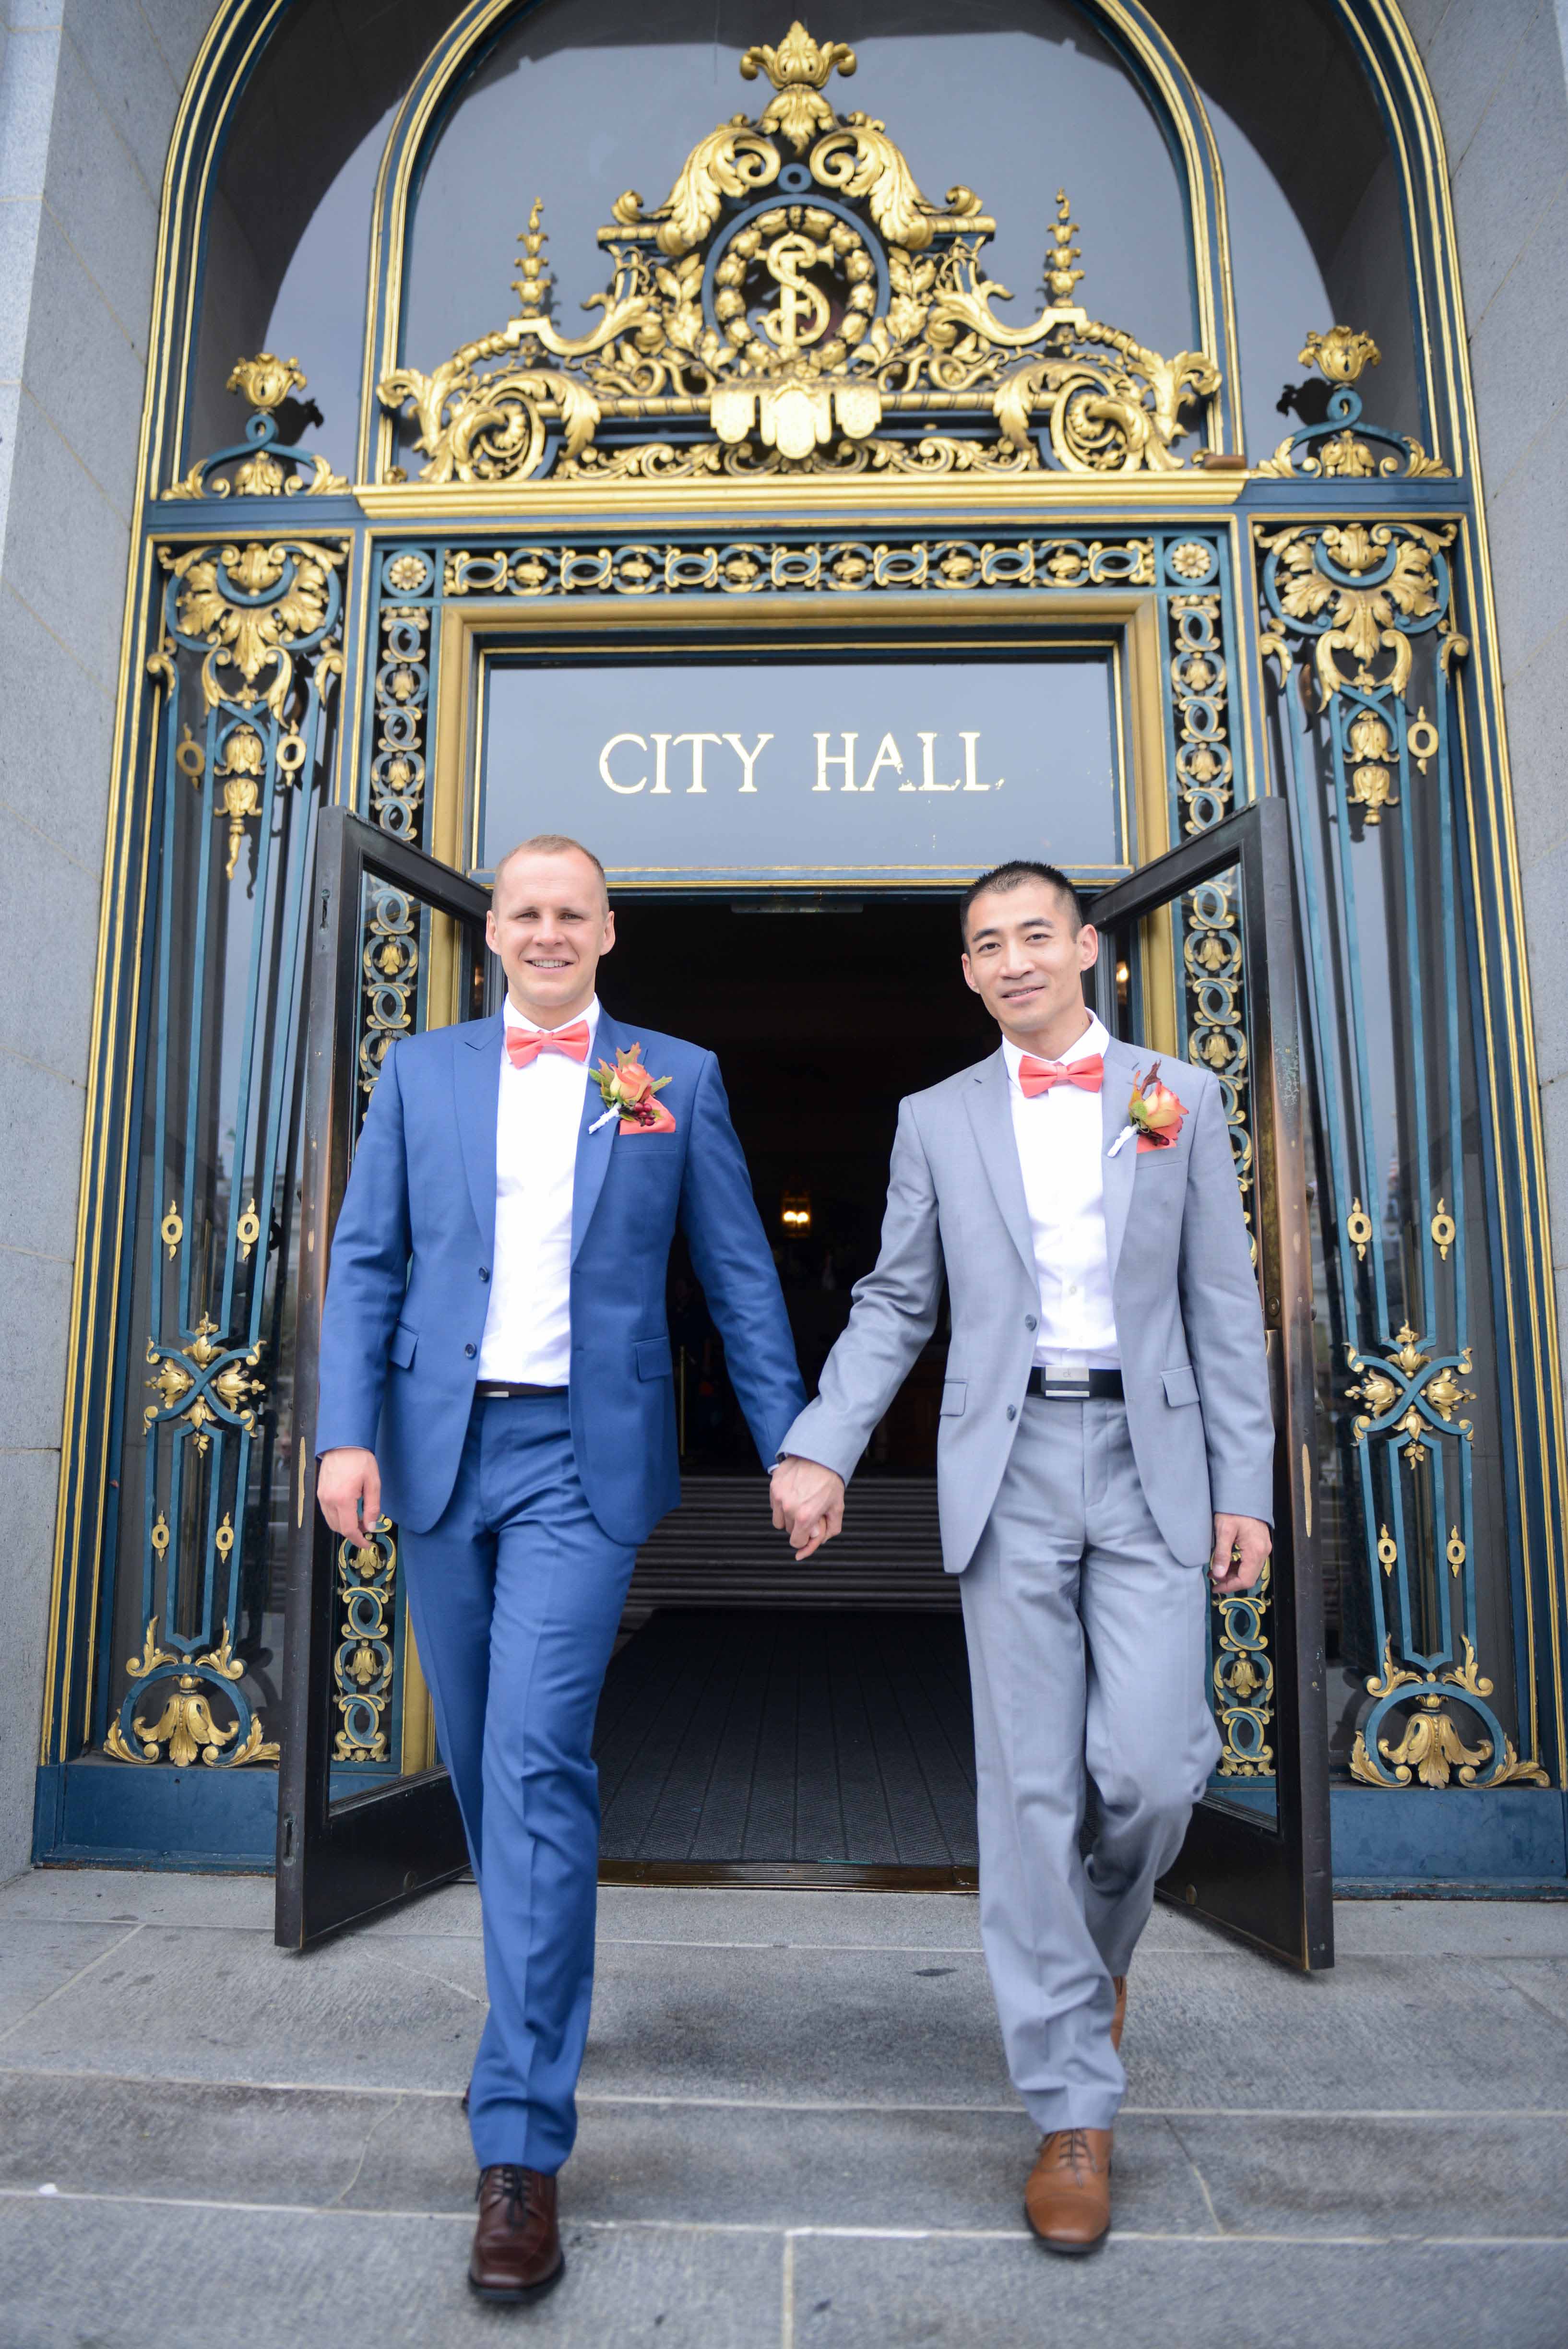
[470, 1352]
[484, 1275]
[1012, 1410]
[1029, 1321]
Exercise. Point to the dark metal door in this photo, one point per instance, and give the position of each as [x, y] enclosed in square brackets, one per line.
[365, 1811]
[1199, 957]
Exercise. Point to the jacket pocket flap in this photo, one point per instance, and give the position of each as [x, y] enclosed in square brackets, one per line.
[401, 1350]
[1181, 1384]
[955, 1393]
[653, 1357]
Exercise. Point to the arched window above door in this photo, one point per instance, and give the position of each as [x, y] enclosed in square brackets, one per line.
[579, 100]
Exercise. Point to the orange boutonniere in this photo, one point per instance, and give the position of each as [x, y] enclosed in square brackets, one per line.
[629, 1091]
[1154, 1114]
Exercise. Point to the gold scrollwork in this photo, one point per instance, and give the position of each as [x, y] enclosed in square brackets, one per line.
[172, 1230]
[186, 1726]
[1350, 587]
[250, 605]
[363, 1665]
[1444, 1229]
[390, 961]
[402, 699]
[798, 333]
[1345, 449]
[265, 466]
[1243, 1683]
[1407, 1380]
[761, 566]
[1358, 1230]
[203, 1384]
[1199, 680]
[247, 1231]
[1430, 1749]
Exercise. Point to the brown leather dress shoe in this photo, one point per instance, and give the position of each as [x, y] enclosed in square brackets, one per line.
[517, 2251]
[1119, 1984]
[1067, 2201]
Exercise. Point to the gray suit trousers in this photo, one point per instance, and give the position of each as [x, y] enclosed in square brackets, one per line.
[1088, 1659]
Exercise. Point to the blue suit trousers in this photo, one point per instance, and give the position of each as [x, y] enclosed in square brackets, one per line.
[516, 1592]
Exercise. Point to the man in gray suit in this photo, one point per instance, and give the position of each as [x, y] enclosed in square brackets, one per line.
[1105, 1433]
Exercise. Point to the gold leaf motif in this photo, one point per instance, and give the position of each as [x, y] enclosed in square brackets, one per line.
[1341, 354]
[1431, 1748]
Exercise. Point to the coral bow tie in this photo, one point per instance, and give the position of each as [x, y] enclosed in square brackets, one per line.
[1038, 1076]
[523, 1045]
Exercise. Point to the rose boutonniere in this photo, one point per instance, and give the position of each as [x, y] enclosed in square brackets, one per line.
[631, 1093]
[1154, 1114]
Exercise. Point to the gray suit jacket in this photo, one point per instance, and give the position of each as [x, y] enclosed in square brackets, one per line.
[1189, 1323]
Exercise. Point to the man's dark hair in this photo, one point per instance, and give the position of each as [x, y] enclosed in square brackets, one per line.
[1011, 875]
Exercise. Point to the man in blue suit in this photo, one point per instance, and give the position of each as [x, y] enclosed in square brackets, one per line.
[496, 1376]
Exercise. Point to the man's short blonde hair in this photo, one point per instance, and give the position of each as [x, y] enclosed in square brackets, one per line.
[551, 844]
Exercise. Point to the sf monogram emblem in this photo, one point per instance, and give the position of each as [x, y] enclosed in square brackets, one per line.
[802, 311]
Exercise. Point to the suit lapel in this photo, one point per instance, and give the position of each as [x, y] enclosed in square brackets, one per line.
[1122, 1064]
[594, 1149]
[989, 1107]
[476, 1081]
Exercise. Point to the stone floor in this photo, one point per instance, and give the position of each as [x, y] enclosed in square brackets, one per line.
[796, 2131]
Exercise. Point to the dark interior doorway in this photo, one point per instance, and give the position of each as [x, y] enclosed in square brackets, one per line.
[761, 1714]
[823, 1016]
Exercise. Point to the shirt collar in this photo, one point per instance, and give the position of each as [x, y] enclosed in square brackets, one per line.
[1095, 1039]
[515, 1018]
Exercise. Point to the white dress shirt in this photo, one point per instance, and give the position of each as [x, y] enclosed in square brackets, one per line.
[527, 1336]
[1061, 1150]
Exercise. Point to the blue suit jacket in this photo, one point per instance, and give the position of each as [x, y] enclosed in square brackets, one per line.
[415, 1241]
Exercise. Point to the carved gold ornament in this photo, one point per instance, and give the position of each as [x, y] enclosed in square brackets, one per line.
[1345, 447]
[1350, 587]
[1408, 1393]
[203, 1384]
[265, 466]
[250, 606]
[1430, 1751]
[185, 1728]
[797, 303]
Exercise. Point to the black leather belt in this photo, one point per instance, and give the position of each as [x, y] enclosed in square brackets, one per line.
[487, 1390]
[1076, 1386]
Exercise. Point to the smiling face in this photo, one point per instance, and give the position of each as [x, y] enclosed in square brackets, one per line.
[549, 922]
[1025, 961]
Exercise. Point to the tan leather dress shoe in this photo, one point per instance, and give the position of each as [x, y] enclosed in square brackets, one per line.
[1067, 2201]
[1119, 1984]
[517, 2251]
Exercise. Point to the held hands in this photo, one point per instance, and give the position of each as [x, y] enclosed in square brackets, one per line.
[348, 1487]
[808, 1503]
[1241, 1547]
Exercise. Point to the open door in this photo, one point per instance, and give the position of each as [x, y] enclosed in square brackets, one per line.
[365, 1811]
[1200, 962]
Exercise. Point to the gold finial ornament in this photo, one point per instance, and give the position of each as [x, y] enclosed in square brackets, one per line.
[798, 70]
[265, 381]
[1345, 447]
[1341, 354]
[1061, 276]
[532, 284]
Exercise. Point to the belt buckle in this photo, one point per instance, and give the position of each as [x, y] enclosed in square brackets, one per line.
[1066, 1386]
